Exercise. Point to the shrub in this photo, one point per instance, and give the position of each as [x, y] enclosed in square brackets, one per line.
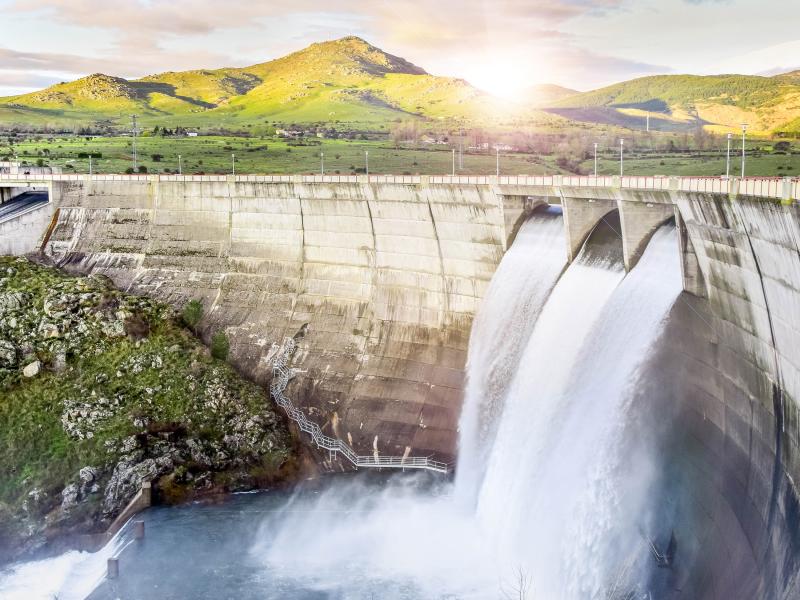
[220, 346]
[142, 169]
[156, 157]
[192, 313]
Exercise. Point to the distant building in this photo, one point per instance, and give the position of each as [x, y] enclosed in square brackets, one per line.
[191, 134]
[426, 139]
[10, 167]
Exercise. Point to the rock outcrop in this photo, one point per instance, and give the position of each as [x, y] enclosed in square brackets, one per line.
[101, 391]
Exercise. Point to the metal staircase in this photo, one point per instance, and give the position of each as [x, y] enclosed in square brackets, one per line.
[281, 373]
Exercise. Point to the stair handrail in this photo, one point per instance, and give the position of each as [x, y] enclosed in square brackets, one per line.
[282, 373]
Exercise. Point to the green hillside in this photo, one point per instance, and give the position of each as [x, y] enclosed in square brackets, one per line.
[768, 104]
[346, 81]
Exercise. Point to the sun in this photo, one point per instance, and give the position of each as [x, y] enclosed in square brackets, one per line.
[504, 78]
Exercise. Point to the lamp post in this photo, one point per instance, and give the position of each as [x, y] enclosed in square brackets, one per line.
[498, 160]
[728, 158]
[90, 163]
[134, 131]
[322, 163]
[366, 161]
[233, 164]
[454, 162]
[595, 159]
[621, 158]
[180, 165]
[744, 135]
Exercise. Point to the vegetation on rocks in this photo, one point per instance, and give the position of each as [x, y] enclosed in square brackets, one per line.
[101, 391]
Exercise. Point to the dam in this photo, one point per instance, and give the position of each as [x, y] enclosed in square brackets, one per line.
[410, 297]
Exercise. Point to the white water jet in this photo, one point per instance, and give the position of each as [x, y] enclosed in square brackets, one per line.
[507, 315]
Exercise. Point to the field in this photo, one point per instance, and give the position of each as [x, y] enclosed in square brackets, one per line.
[212, 154]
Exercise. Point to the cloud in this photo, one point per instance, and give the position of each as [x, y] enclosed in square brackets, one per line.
[25, 80]
[771, 60]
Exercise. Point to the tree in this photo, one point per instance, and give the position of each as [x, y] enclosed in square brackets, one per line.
[220, 346]
[784, 147]
[192, 313]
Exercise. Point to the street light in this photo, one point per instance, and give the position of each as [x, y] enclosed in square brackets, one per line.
[621, 152]
[744, 134]
[90, 163]
[595, 159]
[366, 159]
[454, 162]
[498, 160]
[180, 165]
[233, 163]
[322, 163]
[728, 158]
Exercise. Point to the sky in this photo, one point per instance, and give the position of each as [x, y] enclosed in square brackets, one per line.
[502, 46]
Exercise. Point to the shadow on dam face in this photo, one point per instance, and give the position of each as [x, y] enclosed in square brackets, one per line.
[721, 490]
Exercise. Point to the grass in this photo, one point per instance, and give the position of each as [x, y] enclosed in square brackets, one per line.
[212, 154]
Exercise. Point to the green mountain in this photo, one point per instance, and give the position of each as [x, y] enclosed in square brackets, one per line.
[346, 80]
[768, 104]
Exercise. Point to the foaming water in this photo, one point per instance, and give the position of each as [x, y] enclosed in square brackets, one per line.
[549, 480]
[69, 576]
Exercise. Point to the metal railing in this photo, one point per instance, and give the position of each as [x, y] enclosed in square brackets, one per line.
[281, 373]
[784, 188]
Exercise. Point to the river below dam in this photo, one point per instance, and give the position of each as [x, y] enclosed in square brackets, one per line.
[556, 493]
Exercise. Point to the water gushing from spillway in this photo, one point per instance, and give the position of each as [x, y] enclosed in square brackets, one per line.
[559, 494]
[509, 311]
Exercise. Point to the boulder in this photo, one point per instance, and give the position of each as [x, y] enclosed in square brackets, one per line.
[87, 474]
[32, 370]
[12, 301]
[69, 496]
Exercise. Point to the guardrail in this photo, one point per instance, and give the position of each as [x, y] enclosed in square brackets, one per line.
[280, 379]
[767, 187]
